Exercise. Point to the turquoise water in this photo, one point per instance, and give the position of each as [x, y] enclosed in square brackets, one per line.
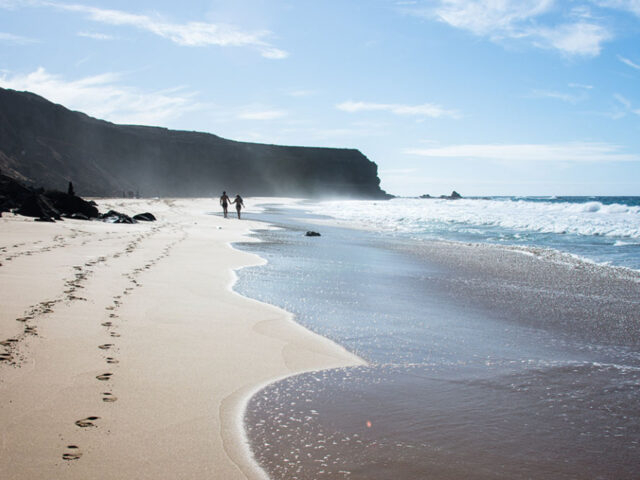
[601, 229]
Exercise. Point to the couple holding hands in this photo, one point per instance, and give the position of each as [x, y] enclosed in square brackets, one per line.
[225, 201]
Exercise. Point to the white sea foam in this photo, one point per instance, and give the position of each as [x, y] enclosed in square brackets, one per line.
[521, 215]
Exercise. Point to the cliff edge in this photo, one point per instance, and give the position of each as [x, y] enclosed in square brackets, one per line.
[42, 143]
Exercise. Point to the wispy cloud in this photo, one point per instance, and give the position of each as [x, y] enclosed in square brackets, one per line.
[628, 62]
[12, 39]
[579, 34]
[190, 34]
[574, 39]
[423, 110]
[580, 85]
[302, 93]
[563, 152]
[492, 18]
[565, 97]
[103, 96]
[262, 114]
[96, 36]
[628, 107]
[632, 6]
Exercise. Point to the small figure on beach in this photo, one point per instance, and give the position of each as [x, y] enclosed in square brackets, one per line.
[225, 201]
[239, 204]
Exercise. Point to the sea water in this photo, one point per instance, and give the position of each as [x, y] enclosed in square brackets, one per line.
[483, 362]
[603, 229]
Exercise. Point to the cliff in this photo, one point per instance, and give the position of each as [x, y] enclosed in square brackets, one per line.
[45, 144]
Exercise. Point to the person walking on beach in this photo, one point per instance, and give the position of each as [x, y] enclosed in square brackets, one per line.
[224, 201]
[239, 204]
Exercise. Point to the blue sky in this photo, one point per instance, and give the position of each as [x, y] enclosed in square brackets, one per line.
[529, 97]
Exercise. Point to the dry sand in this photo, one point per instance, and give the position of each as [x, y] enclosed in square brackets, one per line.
[124, 352]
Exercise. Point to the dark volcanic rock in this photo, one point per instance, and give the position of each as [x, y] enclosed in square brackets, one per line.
[454, 196]
[37, 205]
[72, 205]
[145, 217]
[312, 234]
[116, 217]
[48, 145]
[12, 193]
[77, 216]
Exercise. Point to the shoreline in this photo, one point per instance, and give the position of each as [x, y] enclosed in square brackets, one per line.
[184, 352]
[472, 350]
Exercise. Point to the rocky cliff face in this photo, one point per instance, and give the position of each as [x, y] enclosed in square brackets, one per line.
[42, 143]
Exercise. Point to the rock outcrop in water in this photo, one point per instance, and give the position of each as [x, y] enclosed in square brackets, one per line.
[42, 143]
[454, 196]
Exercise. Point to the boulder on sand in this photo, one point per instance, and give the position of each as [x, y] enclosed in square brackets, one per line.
[70, 205]
[116, 217]
[12, 193]
[145, 217]
[37, 205]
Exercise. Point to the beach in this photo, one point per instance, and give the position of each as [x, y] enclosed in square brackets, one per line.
[125, 352]
[203, 347]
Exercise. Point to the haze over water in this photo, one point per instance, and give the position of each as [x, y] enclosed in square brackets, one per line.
[484, 362]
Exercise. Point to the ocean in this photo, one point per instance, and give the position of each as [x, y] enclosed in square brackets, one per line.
[502, 337]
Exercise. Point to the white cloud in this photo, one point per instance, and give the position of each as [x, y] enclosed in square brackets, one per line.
[520, 20]
[425, 109]
[562, 152]
[580, 85]
[102, 96]
[574, 39]
[262, 115]
[302, 93]
[15, 39]
[565, 97]
[628, 62]
[490, 17]
[632, 6]
[626, 103]
[190, 34]
[96, 36]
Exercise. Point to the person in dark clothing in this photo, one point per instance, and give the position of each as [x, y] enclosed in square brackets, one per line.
[239, 204]
[225, 201]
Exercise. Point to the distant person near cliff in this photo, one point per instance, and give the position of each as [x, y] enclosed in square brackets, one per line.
[239, 204]
[225, 201]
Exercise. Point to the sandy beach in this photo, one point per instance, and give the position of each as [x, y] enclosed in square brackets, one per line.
[124, 351]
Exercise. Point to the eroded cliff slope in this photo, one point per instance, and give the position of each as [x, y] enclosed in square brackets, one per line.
[42, 143]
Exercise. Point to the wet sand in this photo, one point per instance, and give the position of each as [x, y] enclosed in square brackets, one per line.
[485, 362]
[124, 353]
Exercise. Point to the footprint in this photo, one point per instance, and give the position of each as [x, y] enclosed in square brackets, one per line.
[107, 324]
[73, 453]
[112, 360]
[86, 422]
[114, 334]
[109, 397]
[104, 377]
[105, 346]
[6, 357]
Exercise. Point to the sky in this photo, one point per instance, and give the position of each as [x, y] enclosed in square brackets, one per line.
[487, 97]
